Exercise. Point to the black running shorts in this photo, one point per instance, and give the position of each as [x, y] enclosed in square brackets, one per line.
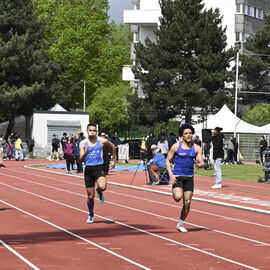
[184, 182]
[92, 173]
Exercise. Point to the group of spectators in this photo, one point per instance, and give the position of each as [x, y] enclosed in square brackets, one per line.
[14, 149]
[68, 148]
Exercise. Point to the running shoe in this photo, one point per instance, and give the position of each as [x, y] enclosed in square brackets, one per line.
[90, 219]
[217, 186]
[181, 228]
[68, 172]
[100, 195]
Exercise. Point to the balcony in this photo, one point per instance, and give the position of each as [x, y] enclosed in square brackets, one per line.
[142, 17]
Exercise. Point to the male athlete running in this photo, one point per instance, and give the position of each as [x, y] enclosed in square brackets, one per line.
[186, 154]
[92, 155]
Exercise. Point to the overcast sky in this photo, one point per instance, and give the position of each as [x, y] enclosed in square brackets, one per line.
[117, 7]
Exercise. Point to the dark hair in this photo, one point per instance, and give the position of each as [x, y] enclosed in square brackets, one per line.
[185, 126]
[218, 129]
[91, 125]
[172, 134]
[64, 134]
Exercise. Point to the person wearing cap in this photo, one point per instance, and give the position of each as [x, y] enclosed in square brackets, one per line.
[218, 155]
[186, 154]
[157, 165]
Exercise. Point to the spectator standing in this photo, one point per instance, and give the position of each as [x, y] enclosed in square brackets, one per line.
[77, 153]
[55, 147]
[149, 142]
[143, 149]
[30, 145]
[10, 146]
[218, 155]
[263, 147]
[198, 141]
[230, 150]
[69, 154]
[106, 155]
[1, 159]
[2, 143]
[171, 140]
[163, 146]
[63, 141]
[116, 142]
[19, 152]
[235, 152]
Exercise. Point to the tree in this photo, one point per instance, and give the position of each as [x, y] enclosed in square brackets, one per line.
[109, 108]
[255, 66]
[28, 79]
[258, 115]
[81, 36]
[187, 64]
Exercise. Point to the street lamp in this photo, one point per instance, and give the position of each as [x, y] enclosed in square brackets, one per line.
[84, 93]
[236, 93]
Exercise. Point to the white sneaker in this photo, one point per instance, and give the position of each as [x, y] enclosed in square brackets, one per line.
[217, 186]
[181, 228]
[90, 219]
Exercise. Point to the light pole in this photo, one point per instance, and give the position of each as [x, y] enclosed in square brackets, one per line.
[236, 93]
[84, 93]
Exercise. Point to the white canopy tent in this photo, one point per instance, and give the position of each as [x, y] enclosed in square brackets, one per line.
[266, 127]
[225, 119]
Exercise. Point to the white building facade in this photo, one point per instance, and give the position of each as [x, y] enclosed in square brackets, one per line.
[242, 18]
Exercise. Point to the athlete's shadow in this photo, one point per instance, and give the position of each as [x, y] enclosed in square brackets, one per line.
[198, 229]
[7, 208]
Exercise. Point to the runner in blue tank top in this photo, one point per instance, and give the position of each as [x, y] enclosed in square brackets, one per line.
[186, 154]
[92, 155]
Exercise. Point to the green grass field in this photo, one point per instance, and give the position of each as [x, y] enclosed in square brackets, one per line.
[249, 173]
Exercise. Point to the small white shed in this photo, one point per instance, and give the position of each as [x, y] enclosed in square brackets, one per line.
[43, 124]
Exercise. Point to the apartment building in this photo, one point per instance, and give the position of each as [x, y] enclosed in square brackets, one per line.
[242, 18]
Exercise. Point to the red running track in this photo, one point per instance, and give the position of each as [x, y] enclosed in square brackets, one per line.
[43, 227]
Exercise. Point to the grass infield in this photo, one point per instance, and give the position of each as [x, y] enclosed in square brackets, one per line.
[249, 173]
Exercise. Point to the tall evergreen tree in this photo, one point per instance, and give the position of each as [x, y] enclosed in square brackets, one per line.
[28, 78]
[255, 66]
[187, 64]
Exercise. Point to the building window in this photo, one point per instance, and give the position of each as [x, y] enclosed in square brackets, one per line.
[251, 12]
[136, 37]
[244, 9]
[238, 8]
[237, 36]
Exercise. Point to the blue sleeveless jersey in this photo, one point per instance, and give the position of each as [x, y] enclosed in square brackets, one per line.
[94, 154]
[184, 161]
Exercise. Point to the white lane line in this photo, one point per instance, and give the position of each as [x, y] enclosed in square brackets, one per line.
[18, 255]
[145, 212]
[77, 236]
[148, 200]
[246, 208]
[192, 210]
[122, 224]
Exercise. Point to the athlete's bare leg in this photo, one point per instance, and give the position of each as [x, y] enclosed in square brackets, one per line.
[102, 183]
[186, 204]
[177, 194]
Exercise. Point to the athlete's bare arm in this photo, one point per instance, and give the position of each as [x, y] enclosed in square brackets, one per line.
[169, 158]
[83, 151]
[199, 162]
[105, 142]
